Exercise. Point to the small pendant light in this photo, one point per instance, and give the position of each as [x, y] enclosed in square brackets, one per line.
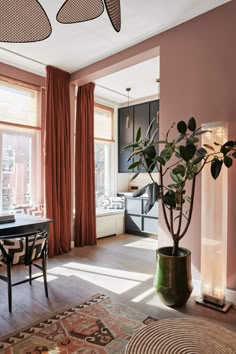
[127, 122]
[158, 112]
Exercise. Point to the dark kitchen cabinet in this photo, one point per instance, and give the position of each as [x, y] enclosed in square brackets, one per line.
[136, 221]
[140, 116]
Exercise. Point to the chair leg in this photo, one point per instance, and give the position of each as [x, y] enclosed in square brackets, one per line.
[44, 265]
[9, 286]
[30, 274]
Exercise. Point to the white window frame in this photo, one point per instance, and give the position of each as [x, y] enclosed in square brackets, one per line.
[111, 145]
[36, 148]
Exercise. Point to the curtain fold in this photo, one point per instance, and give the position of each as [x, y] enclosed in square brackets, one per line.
[85, 208]
[58, 160]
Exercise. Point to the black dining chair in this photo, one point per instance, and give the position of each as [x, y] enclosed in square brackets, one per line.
[28, 249]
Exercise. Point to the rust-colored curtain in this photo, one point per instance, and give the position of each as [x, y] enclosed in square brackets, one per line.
[85, 208]
[58, 160]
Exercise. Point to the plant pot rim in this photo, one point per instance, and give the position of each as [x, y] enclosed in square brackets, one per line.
[162, 250]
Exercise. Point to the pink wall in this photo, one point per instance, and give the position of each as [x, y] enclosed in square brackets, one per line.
[198, 78]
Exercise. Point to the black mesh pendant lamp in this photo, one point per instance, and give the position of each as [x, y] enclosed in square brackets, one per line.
[113, 10]
[23, 21]
[73, 11]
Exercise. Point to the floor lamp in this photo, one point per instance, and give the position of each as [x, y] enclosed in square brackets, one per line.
[214, 226]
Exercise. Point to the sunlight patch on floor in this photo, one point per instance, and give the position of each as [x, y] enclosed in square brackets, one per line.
[108, 271]
[115, 280]
[145, 294]
[147, 244]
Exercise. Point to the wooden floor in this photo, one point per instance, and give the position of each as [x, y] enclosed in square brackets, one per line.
[119, 266]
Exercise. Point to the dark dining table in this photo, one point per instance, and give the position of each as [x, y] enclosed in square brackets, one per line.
[24, 223]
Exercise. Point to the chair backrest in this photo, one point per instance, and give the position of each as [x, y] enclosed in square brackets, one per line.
[23, 248]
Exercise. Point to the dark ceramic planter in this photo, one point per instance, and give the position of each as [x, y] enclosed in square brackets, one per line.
[173, 279]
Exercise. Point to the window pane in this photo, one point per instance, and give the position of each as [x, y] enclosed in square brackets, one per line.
[102, 124]
[102, 157]
[18, 104]
[16, 169]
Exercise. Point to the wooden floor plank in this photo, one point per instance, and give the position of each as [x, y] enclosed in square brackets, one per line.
[119, 266]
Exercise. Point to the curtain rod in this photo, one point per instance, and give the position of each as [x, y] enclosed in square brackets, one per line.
[23, 56]
[108, 89]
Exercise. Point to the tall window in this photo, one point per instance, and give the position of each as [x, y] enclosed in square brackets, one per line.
[20, 145]
[104, 146]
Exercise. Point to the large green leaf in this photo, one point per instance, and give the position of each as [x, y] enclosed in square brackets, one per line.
[134, 176]
[135, 152]
[229, 143]
[153, 195]
[179, 138]
[187, 152]
[150, 151]
[161, 160]
[197, 160]
[148, 207]
[134, 165]
[179, 169]
[174, 177]
[202, 132]
[192, 124]
[138, 135]
[169, 199]
[227, 147]
[154, 135]
[132, 145]
[149, 128]
[166, 154]
[201, 152]
[192, 140]
[228, 161]
[177, 178]
[141, 191]
[182, 127]
[216, 165]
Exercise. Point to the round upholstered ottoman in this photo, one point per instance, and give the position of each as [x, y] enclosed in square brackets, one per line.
[182, 336]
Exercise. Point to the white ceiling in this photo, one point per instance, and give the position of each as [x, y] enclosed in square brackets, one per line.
[141, 78]
[71, 47]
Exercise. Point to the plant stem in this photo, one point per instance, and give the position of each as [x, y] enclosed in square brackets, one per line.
[180, 216]
[190, 209]
[162, 203]
[175, 248]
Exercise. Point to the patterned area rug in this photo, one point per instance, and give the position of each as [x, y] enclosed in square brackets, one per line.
[97, 325]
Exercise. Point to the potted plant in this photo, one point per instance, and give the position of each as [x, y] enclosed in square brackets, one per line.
[178, 161]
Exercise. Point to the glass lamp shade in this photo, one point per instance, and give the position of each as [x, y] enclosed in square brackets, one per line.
[214, 224]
